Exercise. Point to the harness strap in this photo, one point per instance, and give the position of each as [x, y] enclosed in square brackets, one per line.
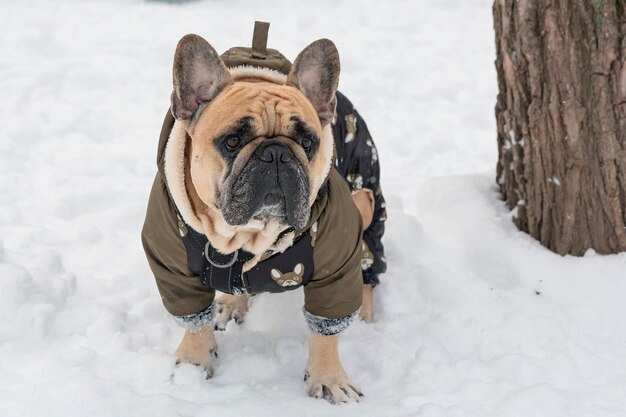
[224, 272]
[216, 270]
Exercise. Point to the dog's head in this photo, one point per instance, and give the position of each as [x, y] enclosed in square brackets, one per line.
[257, 148]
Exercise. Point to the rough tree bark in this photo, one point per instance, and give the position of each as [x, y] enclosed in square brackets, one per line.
[561, 116]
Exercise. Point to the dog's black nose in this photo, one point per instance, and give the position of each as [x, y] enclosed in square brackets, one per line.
[274, 151]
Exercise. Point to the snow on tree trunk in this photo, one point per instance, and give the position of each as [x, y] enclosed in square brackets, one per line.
[561, 116]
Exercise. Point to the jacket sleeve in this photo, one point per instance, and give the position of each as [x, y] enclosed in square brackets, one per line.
[357, 161]
[333, 296]
[182, 293]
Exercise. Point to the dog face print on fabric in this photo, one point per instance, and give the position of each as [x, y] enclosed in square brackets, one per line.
[290, 278]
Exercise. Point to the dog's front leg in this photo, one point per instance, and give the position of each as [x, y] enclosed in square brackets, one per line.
[198, 348]
[325, 376]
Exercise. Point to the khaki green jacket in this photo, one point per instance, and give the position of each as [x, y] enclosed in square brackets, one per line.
[334, 291]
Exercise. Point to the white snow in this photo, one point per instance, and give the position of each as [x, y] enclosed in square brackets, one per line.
[473, 317]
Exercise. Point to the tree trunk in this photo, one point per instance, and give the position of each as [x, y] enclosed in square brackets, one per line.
[561, 116]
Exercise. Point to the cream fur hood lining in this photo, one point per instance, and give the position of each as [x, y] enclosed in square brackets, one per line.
[174, 158]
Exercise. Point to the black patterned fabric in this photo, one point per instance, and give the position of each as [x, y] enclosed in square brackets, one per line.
[357, 161]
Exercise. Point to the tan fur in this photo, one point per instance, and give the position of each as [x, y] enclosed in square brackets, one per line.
[198, 348]
[364, 200]
[271, 106]
[326, 377]
[230, 307]
[366, 308]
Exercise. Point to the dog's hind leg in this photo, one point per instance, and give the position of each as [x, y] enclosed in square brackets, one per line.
[366, 308]
[230, 307]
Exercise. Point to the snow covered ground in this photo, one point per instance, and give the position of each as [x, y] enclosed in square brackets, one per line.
[473, 318]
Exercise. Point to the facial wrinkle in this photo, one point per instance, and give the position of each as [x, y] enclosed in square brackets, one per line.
[271, 118]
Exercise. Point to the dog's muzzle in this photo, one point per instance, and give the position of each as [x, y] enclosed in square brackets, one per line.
[273, 184]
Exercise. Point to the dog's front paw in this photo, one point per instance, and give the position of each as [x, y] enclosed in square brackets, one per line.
[230, 307]
[198, 348]
[334, 387]
[324, 374]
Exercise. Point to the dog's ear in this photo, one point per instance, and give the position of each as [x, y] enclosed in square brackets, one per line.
[199, 75]
[315, 72]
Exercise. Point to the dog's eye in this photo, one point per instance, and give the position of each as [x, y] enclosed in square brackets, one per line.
[306, 143]
[233, 143]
